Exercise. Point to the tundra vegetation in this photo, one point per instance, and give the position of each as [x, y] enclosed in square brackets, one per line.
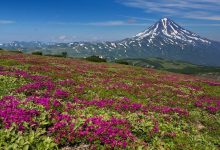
[52, 103]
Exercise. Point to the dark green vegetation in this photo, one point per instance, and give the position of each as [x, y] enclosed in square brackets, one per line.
[123, 62]
[63, 54]
[171, 66]
[37, 53]
[16, 51]
[95, 59]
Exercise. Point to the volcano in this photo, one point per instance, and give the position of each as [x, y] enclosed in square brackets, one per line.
[165, 39]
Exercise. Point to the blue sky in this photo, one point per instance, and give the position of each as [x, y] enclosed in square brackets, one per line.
[101, 20]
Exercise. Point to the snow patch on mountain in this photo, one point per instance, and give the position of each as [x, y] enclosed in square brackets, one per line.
[167, 29]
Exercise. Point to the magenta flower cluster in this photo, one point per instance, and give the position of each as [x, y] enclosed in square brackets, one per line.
[10, 113]
[168, 110]
[67, 82]
[43, 83]
[63, 128]
[126, 104]
[213, 83]
[44, 101]
[61, 94]
[113, 133]
[211, 104]
[31, 88]
[48, 88]
[20, 73]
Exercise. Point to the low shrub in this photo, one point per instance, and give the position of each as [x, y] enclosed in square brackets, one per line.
[12, 139]
[63, 54]
[122, 62]
[16, 51]
[55, 55]
[37, 53]
[96, 59]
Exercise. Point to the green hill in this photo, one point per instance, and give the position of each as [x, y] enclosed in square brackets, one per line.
[63, 103]
[173, 66]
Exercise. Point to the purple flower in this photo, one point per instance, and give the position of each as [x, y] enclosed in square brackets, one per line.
[1, 68]
[113, 133]
[10, 113]
[61, 94]
[40, 100]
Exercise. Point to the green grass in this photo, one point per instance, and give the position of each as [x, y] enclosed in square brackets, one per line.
[8, 84]
[8, 62]
[171, 66]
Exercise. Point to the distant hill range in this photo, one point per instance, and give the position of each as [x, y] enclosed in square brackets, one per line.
[165, 39]
[173, 66]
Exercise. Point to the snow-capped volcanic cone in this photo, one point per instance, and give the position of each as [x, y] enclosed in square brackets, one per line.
[165, 39]
[169, 31]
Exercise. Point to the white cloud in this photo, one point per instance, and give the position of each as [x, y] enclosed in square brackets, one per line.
[208, 9]
[65, 38]
[138, 18]
[116, 23]
[201, 24]
[128, 22]
[62, 37]
[204, 17]
[6, 22]
[108, 23]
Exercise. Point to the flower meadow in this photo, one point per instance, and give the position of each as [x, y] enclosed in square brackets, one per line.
[64, 103]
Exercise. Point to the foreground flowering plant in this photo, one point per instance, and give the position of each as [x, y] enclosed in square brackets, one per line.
[209, 103]
[11, 113]
[52, 103]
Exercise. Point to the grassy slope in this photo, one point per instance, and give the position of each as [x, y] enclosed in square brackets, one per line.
[173, 66]
[167, 119]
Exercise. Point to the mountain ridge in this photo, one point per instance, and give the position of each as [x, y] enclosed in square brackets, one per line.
[165, 39]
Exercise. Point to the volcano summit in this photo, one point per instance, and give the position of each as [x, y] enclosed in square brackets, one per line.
[165, 39]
